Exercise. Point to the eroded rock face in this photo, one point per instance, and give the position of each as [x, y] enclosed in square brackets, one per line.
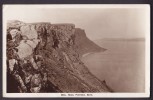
[26, 47]
[47, 57]
[29, 31]
[84, 45]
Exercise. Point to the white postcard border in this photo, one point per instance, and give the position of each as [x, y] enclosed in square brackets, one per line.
[83, 95]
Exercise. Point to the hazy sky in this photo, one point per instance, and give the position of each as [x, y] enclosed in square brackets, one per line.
[98, 22]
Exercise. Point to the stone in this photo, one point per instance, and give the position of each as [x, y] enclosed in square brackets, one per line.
[29, 31]
[11, 64]
[36, 83]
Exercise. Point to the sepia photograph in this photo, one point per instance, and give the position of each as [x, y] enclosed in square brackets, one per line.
[92, 50]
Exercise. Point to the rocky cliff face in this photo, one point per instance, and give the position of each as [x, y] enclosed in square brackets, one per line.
[83, 44]
[44, 57]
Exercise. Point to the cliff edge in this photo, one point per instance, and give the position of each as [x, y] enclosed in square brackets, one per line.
[45, 57]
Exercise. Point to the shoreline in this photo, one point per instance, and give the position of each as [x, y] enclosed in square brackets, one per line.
[87, 54]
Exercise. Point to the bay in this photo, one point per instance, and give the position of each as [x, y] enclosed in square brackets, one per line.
[122, 65]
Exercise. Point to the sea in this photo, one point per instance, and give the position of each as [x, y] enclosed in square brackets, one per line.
[122, 65]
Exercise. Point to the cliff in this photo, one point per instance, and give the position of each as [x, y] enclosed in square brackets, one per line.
[84, 45]
[45, 57]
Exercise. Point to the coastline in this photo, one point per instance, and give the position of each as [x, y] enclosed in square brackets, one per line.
[87, 54]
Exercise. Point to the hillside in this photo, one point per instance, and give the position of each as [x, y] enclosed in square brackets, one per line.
[84, 45]
[45, 57]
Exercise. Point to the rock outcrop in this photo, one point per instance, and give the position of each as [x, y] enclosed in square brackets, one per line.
[45, 57]
[84, 45]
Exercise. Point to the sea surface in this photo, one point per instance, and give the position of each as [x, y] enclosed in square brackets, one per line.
[122, 65]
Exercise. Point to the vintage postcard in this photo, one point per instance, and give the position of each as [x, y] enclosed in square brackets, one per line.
[75, 51]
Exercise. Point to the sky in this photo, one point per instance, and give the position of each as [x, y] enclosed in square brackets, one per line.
[97, 21]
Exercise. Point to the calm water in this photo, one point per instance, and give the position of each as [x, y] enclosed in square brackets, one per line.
[122, 65]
